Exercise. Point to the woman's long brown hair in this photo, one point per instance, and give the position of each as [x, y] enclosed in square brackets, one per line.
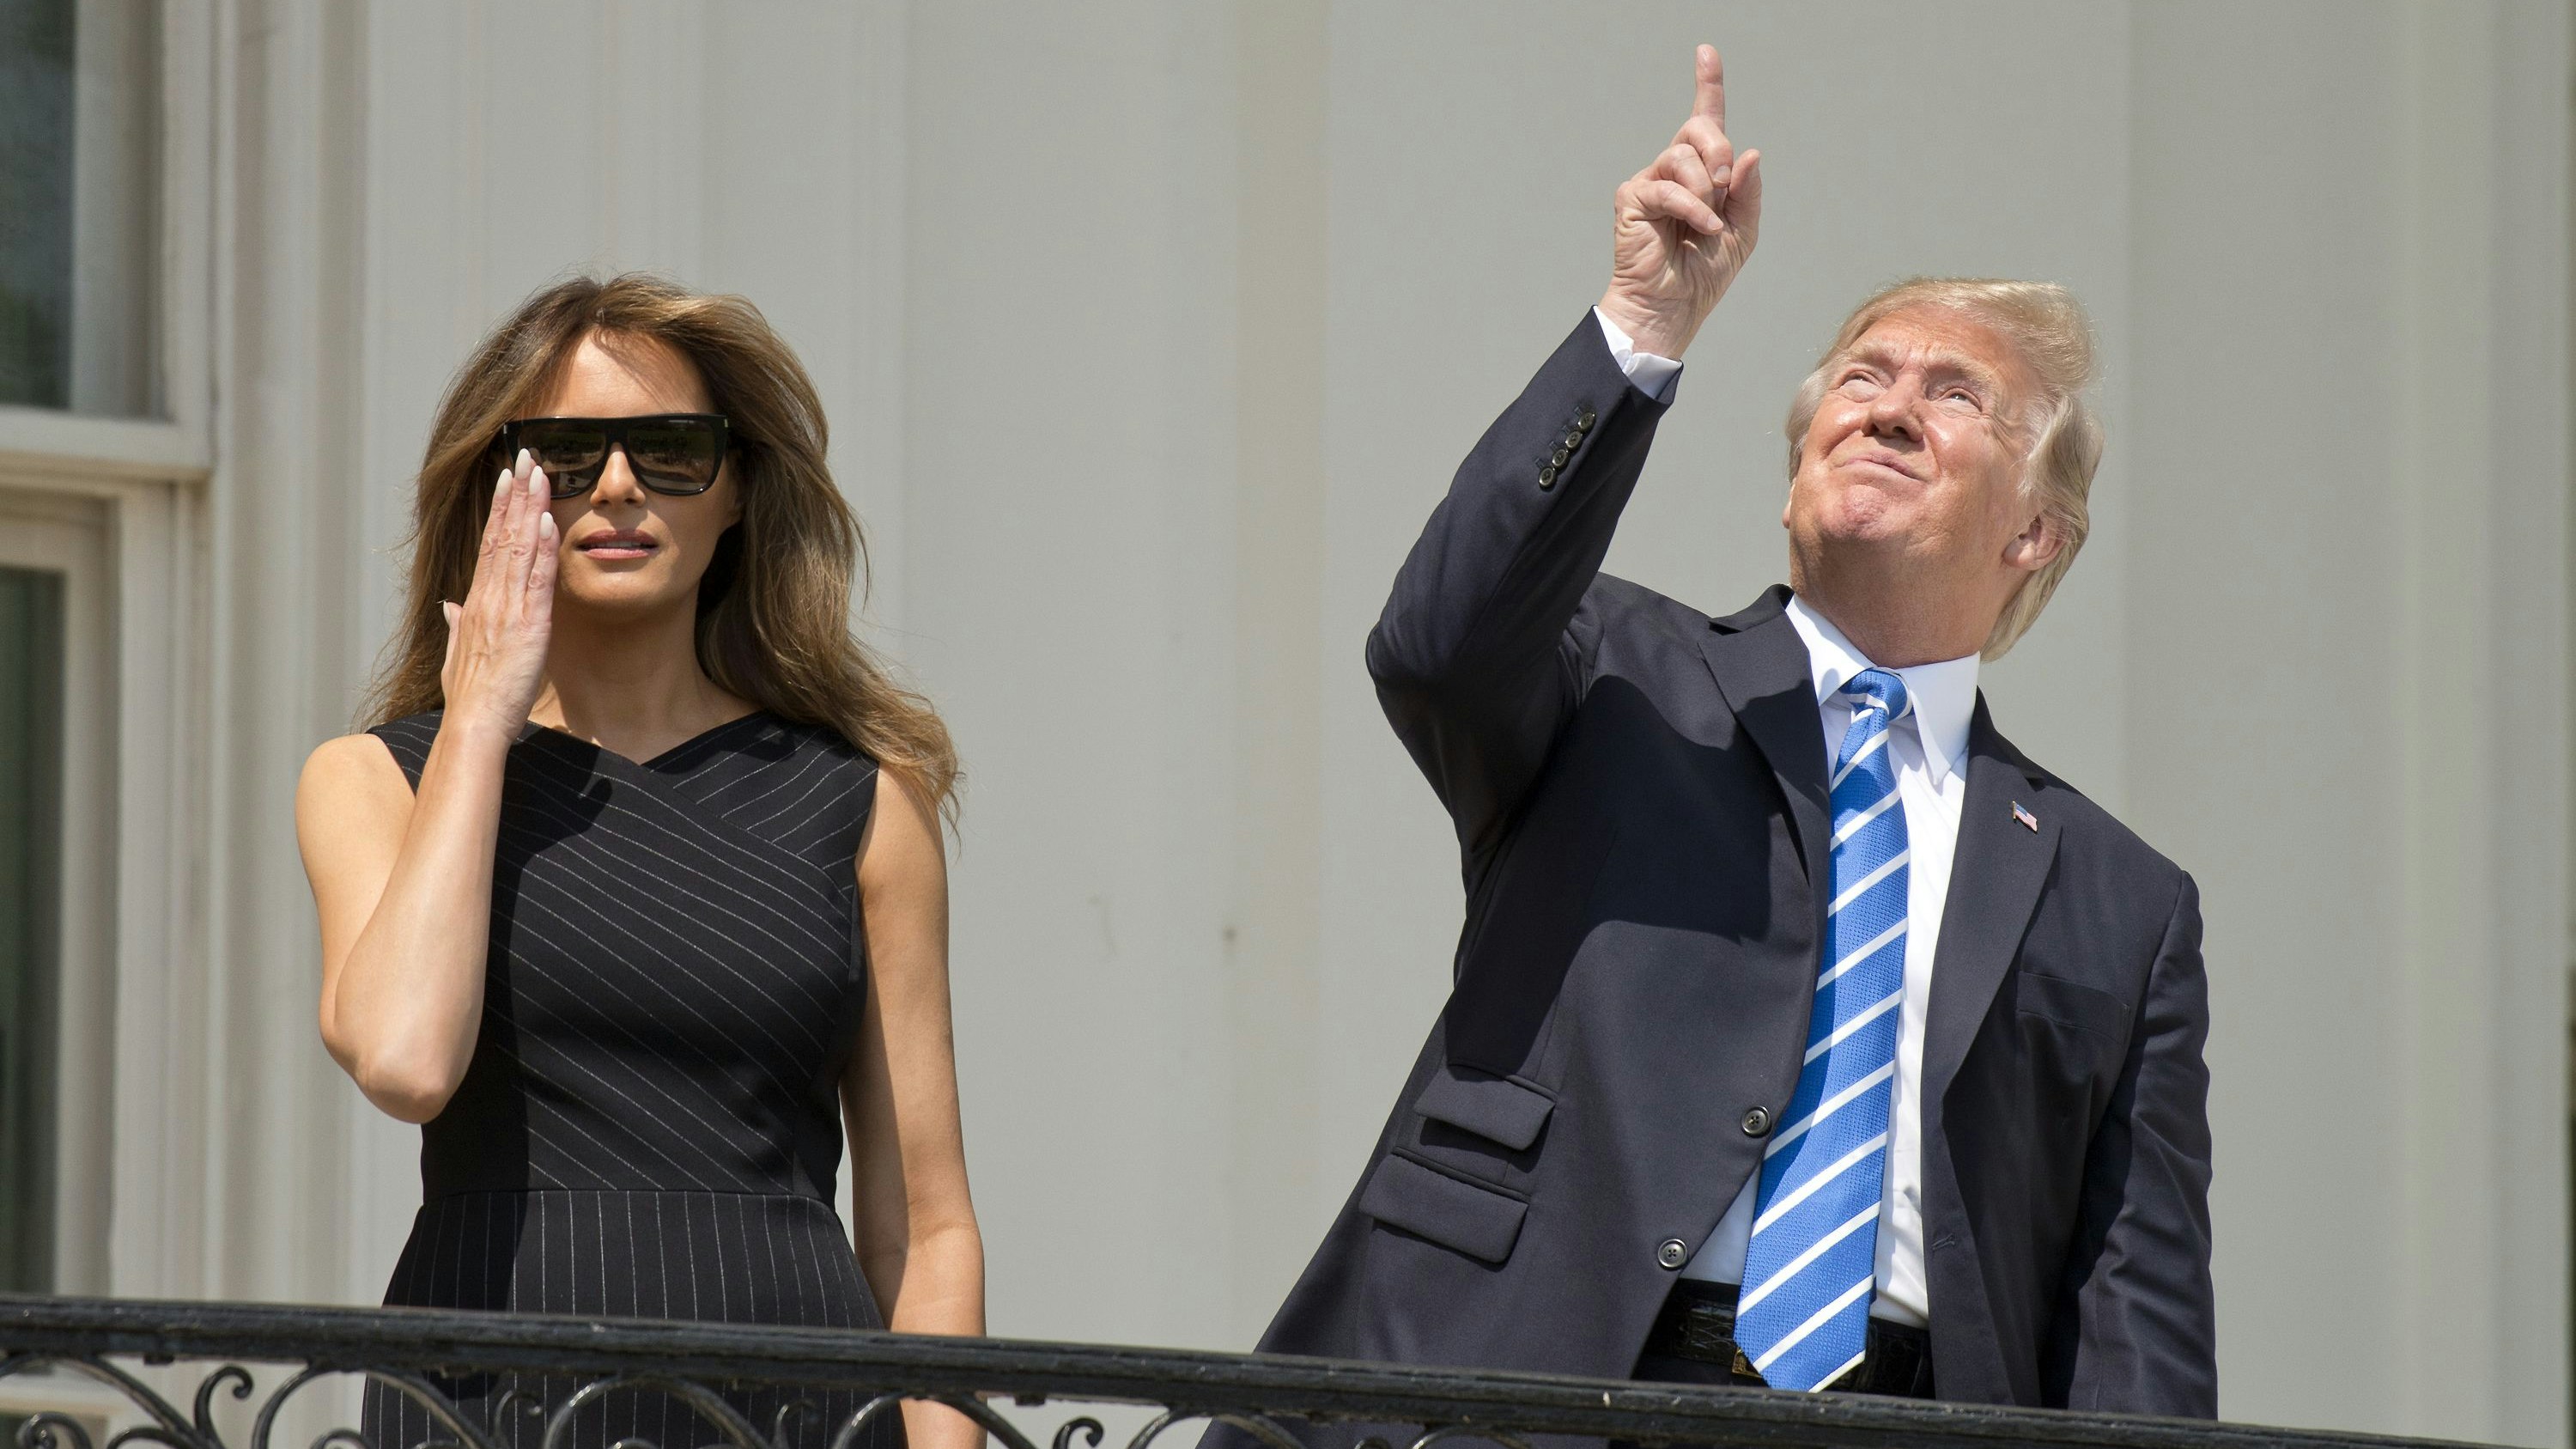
[773, 608]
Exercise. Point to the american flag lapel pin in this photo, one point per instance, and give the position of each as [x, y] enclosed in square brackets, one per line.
[2029, 821]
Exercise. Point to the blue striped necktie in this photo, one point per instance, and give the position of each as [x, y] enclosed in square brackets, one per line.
[1802, 1315]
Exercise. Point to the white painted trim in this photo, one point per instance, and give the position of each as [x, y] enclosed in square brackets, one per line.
[67, 535]
[134, 1186]
[162, 1086]
[131, 447]
[190, 140]
[83, 477]
[133, 689]
[179, 443]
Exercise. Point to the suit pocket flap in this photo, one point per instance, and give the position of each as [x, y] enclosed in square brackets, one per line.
[1476, 1221]
[1492, 1107]
[2072, 1003]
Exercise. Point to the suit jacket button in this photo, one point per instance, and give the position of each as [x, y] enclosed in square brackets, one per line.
[1757, 1123]
[1584, 420]
[1573, 438]
[1547, 477]
[1557, 459]
[1673, 1253]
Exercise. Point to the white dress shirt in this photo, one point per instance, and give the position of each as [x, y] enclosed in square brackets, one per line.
[1930, 746]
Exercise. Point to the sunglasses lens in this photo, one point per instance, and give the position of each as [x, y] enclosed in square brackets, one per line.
[675, 453]
[668, 454]
[567, 451]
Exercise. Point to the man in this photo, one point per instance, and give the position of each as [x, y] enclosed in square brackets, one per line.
[1805, 1033]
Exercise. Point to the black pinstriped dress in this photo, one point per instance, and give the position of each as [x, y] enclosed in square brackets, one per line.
[651, 1123]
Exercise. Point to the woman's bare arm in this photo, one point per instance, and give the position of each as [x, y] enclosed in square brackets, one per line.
[403, 884]
[917, 1240]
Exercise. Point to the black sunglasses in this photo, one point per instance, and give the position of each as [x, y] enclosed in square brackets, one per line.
[674, 453]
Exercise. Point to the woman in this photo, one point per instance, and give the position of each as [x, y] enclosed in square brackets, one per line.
[634, 896]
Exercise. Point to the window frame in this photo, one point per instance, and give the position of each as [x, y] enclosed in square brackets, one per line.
[127, 1202]
[127, 831]
[67, 535]
[180, 445]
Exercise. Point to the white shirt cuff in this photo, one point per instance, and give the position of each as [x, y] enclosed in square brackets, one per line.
[1646, 371]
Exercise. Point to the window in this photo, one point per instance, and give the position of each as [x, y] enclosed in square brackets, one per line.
[106, 207]
[80, 234]
[31, 719]
[57, 954]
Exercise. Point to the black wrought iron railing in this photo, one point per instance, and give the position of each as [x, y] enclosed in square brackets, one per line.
[236, 1362]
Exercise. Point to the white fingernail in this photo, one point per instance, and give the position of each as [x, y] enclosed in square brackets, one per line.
[524, 460]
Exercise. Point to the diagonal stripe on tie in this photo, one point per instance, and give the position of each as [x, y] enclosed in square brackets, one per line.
[1786, 1136]
[1850, 826]
[1803, 1319]
[1844, 1032]
[1860, 954]
[1755, 1293]
[1832, 1174]
[1854, 890]
[1822, 1316]
[1868, 752]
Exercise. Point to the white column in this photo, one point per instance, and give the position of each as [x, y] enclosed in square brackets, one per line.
[258, 1095]
[2480, 468]
[2350, 668]
[1270, 961]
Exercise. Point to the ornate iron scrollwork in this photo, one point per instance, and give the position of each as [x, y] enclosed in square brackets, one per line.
[520, 1406]
[544, 1372]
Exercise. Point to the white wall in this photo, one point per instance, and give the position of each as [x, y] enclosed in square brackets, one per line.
[1069, 553]
[2349, 386]
[1153, 329]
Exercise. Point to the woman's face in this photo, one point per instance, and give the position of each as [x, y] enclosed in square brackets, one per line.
[626, 549]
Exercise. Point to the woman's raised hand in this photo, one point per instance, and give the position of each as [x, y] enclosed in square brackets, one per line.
[496, 640]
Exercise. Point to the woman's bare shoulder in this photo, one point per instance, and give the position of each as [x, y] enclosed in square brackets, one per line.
[901, 848]
[352, 770]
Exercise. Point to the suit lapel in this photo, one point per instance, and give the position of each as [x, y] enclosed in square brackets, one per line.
[1761, 667]
[1995, 880]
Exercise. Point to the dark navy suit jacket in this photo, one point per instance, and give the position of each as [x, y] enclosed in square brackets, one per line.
[1639, 792]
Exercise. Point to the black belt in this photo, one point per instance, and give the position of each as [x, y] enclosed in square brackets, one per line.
[1698, 1327]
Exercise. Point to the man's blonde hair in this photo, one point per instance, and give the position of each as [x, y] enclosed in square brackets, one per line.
[2061, 436]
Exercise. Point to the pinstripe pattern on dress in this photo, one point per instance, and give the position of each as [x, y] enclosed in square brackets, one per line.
[650, 1126]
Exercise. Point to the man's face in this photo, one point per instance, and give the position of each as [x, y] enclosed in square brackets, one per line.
[1914, 461]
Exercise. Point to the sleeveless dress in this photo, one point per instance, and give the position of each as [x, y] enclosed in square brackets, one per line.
[650, 1126]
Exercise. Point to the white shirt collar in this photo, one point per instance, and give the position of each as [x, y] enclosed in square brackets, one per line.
[1944, 695]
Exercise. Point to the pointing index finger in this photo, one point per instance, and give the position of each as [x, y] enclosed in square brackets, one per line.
[1711, 100]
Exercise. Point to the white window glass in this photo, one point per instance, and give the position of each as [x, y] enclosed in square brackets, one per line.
[79, 205]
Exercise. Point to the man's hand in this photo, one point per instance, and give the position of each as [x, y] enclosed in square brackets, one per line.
[1683, 226]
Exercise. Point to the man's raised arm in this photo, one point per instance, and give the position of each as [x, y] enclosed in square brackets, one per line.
[1475, 658]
